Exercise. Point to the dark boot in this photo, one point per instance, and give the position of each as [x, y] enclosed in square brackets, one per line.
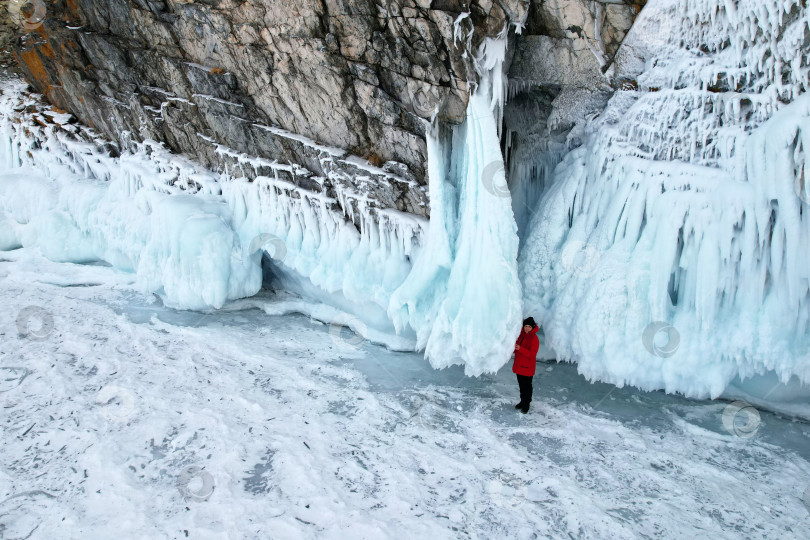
[525, 384]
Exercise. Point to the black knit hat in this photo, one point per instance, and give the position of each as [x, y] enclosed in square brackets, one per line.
[530, 322]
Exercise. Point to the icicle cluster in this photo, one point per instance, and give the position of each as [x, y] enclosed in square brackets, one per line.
[727, 67]
[672, 249]
[147, 212]
[194, 236]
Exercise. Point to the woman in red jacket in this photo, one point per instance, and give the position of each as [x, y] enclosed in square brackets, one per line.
[525, 362]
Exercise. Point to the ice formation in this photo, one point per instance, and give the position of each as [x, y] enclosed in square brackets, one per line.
[463, 295]
[197, 238]
[686, 211]
[77, 205]
[669, 251]
[194, 236]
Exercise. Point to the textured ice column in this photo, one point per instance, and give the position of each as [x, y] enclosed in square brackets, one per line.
[493, 83]
[463, 294]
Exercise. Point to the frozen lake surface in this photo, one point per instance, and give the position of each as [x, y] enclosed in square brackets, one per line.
[124, 419]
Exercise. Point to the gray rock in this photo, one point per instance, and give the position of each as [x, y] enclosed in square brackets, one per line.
[258, 77]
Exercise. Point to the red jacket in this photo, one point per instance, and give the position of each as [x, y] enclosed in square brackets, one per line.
[526, 355]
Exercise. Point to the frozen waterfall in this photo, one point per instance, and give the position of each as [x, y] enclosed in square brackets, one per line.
[670, 251]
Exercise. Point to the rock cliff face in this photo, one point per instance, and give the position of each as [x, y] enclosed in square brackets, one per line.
[359, 76]
[232, 83]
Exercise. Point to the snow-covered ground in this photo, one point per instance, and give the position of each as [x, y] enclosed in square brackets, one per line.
[125, 419]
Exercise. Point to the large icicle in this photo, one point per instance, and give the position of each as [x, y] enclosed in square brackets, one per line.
[463, 295]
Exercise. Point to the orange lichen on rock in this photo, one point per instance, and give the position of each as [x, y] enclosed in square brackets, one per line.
[44, 46]
[376, 159]
[30, 58]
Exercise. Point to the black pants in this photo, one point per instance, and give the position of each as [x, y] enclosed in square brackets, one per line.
[525, 384]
